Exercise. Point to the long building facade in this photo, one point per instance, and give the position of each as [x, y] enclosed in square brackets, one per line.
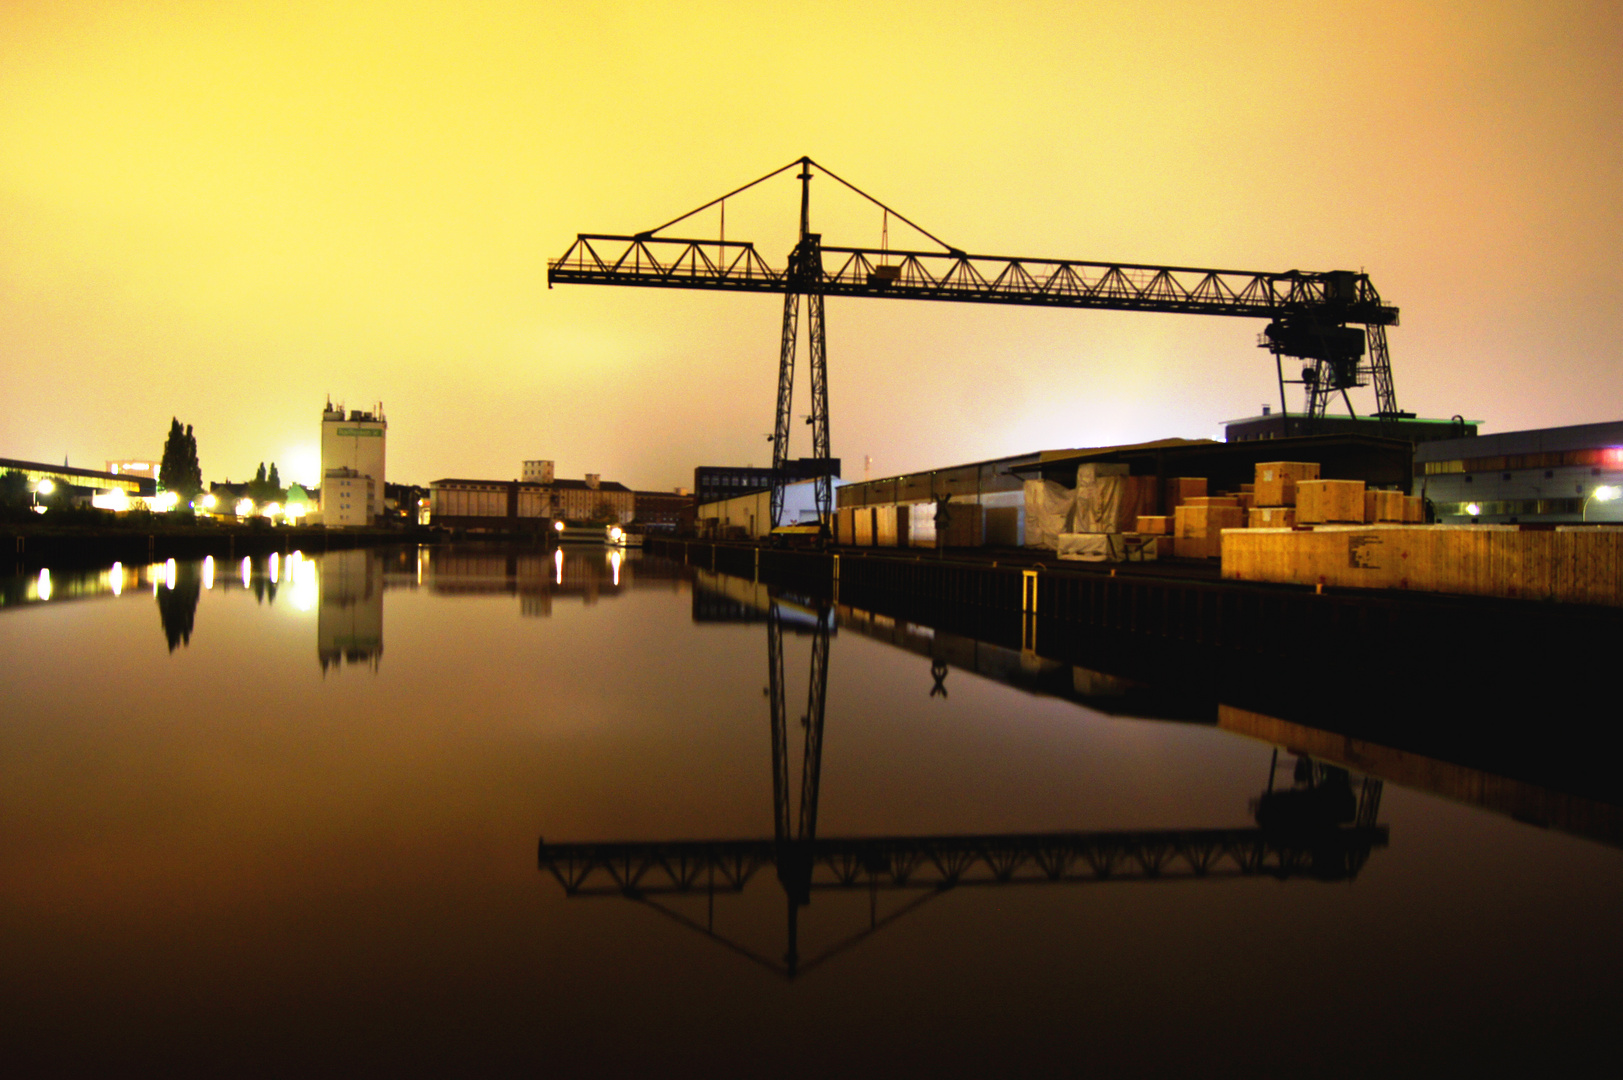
[1564, 475]
[985, 504]
[527, 505]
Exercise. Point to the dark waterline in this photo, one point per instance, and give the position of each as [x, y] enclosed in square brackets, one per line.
[245, 837]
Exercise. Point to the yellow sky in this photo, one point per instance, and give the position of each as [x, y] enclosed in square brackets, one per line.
[226, 211]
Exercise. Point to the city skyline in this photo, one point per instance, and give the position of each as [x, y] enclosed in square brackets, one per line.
[226, 213]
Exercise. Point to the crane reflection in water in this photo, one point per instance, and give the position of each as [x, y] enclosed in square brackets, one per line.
[1318, 826]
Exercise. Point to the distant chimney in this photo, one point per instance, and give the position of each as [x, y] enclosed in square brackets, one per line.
[1267, 410]
[593, 480]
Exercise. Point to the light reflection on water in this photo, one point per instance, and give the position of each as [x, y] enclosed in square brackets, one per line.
[998, 853]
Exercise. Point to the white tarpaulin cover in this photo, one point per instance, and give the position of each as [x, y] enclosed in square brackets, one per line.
[1099, 493]
[1048, 512]
[1092, 547]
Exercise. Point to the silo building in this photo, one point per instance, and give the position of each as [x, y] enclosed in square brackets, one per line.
[352, 455]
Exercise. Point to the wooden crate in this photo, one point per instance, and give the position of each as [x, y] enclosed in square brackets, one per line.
[1197, 547]
[1414, 509]
[1197, 529]
[1276, 481]
[1578, 566]
[1271, 517]
[1212, 500]
[1330, 502]
[1390, 507]
[1179, 488]
[1153, 526]
[1136, 547]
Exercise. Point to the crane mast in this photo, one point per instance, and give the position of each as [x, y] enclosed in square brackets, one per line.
[1333, 322]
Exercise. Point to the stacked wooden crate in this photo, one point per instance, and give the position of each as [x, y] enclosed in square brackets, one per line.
[1274, 493]
[1330, 502]
[1198, 525]
[1156, 532]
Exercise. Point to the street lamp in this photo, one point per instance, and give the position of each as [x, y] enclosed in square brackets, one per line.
[45, 486]
[1603, 493]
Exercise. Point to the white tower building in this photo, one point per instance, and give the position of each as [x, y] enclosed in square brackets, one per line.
[352, 458]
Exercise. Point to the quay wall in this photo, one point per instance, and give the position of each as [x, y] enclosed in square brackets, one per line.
[1261, 618]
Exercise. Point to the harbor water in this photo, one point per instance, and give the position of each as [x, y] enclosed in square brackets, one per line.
[474, 810]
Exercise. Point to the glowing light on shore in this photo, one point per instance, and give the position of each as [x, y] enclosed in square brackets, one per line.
[116, 500]
[245, 507]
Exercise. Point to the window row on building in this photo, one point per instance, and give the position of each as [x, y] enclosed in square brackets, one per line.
[1606, 457]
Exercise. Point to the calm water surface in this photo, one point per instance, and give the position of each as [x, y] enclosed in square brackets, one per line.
[262, 819]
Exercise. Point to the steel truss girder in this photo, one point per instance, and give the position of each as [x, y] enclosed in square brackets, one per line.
[800, 829]
[817, 362]
[785, 413]
[661, 262]
[941, 862]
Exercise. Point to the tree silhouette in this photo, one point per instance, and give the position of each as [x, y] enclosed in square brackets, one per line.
[265, 487]
[14, 489]
[179, 470]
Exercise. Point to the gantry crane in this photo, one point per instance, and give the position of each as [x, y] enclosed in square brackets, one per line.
[1313, 316]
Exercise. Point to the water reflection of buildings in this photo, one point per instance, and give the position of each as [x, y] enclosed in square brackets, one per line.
[1320, 824]
[175, 585]
[1530, 798]
[539, 577]
[349, 618]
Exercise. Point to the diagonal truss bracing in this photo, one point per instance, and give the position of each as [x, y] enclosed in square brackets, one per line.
[661, 262]
[941, 862]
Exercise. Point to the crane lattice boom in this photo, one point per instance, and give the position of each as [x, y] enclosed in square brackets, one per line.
[662, 262]
[1314, 315]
